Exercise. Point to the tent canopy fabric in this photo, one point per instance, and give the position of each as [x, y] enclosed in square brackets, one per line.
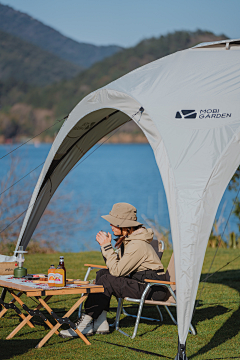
[191, 119]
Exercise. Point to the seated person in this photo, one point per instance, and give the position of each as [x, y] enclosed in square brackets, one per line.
[135, 261]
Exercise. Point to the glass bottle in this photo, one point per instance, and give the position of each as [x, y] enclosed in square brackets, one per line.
[60, 279]
[51, 275]
[61, 263]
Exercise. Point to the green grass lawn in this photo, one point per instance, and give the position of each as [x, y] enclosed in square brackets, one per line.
[217, 319]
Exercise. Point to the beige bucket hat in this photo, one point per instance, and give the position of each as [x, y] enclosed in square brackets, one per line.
[122, 215]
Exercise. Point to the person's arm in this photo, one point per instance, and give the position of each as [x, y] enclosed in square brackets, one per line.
[105, 243]
[131, 260]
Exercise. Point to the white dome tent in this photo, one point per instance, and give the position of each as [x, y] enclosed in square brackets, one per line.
[188, 106]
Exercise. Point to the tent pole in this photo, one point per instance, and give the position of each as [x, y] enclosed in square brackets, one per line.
[181, 355]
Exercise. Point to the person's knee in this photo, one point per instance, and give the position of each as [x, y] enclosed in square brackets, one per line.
[101, 273]
[103, 279]
[108, 281]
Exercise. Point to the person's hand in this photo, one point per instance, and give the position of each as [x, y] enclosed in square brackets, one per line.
[103, 239]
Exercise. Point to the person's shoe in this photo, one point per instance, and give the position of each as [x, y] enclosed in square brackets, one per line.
[84, 324]
[100, 325]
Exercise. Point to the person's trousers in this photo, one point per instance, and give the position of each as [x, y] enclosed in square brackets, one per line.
[120, 287]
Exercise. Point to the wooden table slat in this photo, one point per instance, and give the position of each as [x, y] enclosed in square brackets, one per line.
[83, 290]
[67, 290]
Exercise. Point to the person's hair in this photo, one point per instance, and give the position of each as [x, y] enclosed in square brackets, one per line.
[129, 231]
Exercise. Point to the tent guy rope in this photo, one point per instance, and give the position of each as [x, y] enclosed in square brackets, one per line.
[21, 178]
[218, 246]
[113, 133]
[140, 110]
[10, 152]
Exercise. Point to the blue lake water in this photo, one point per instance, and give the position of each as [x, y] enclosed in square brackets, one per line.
[113, 173]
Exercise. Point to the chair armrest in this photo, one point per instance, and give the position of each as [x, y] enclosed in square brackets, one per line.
[160, 282]
[96, 266]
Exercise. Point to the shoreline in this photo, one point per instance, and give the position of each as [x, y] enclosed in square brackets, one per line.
[121, 138]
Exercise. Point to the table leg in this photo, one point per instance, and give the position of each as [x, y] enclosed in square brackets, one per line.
[4, 291]
[16, 298]
[45, 305]
[21, 303]
[26, 320]
[51, 332]
[3, 312]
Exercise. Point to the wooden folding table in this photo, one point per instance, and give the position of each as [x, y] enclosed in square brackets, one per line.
[37, 294]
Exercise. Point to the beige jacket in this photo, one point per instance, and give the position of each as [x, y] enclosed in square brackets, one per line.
[138, 255]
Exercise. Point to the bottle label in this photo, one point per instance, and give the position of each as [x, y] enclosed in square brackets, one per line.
[60, 277]
[51, 278]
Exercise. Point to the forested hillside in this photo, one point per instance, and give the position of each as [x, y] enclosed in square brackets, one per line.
[24, 62]
[62, 97]
[33, 31]
[41, 106]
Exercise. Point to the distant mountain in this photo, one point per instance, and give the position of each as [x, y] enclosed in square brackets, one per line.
[42, 106]
[65, 95]
[31, 30]
[22, 61]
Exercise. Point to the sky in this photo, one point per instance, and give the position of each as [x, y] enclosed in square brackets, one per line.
[126, 22]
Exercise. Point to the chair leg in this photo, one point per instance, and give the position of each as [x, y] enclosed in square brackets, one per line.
[126, 313]
[191, 328]
[85, 279]
[142, 317]
[120, 302]
[119, 310]
[170, 314]
[160, 313]
[80, 310]
[139, 313]
[113, 325]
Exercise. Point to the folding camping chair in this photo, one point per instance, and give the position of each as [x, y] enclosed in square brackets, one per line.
[159, 247]
[170, 300]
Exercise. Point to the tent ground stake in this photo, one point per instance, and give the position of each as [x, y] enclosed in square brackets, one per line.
[181, 355]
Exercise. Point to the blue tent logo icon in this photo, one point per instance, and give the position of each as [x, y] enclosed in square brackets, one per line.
[186, 114]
